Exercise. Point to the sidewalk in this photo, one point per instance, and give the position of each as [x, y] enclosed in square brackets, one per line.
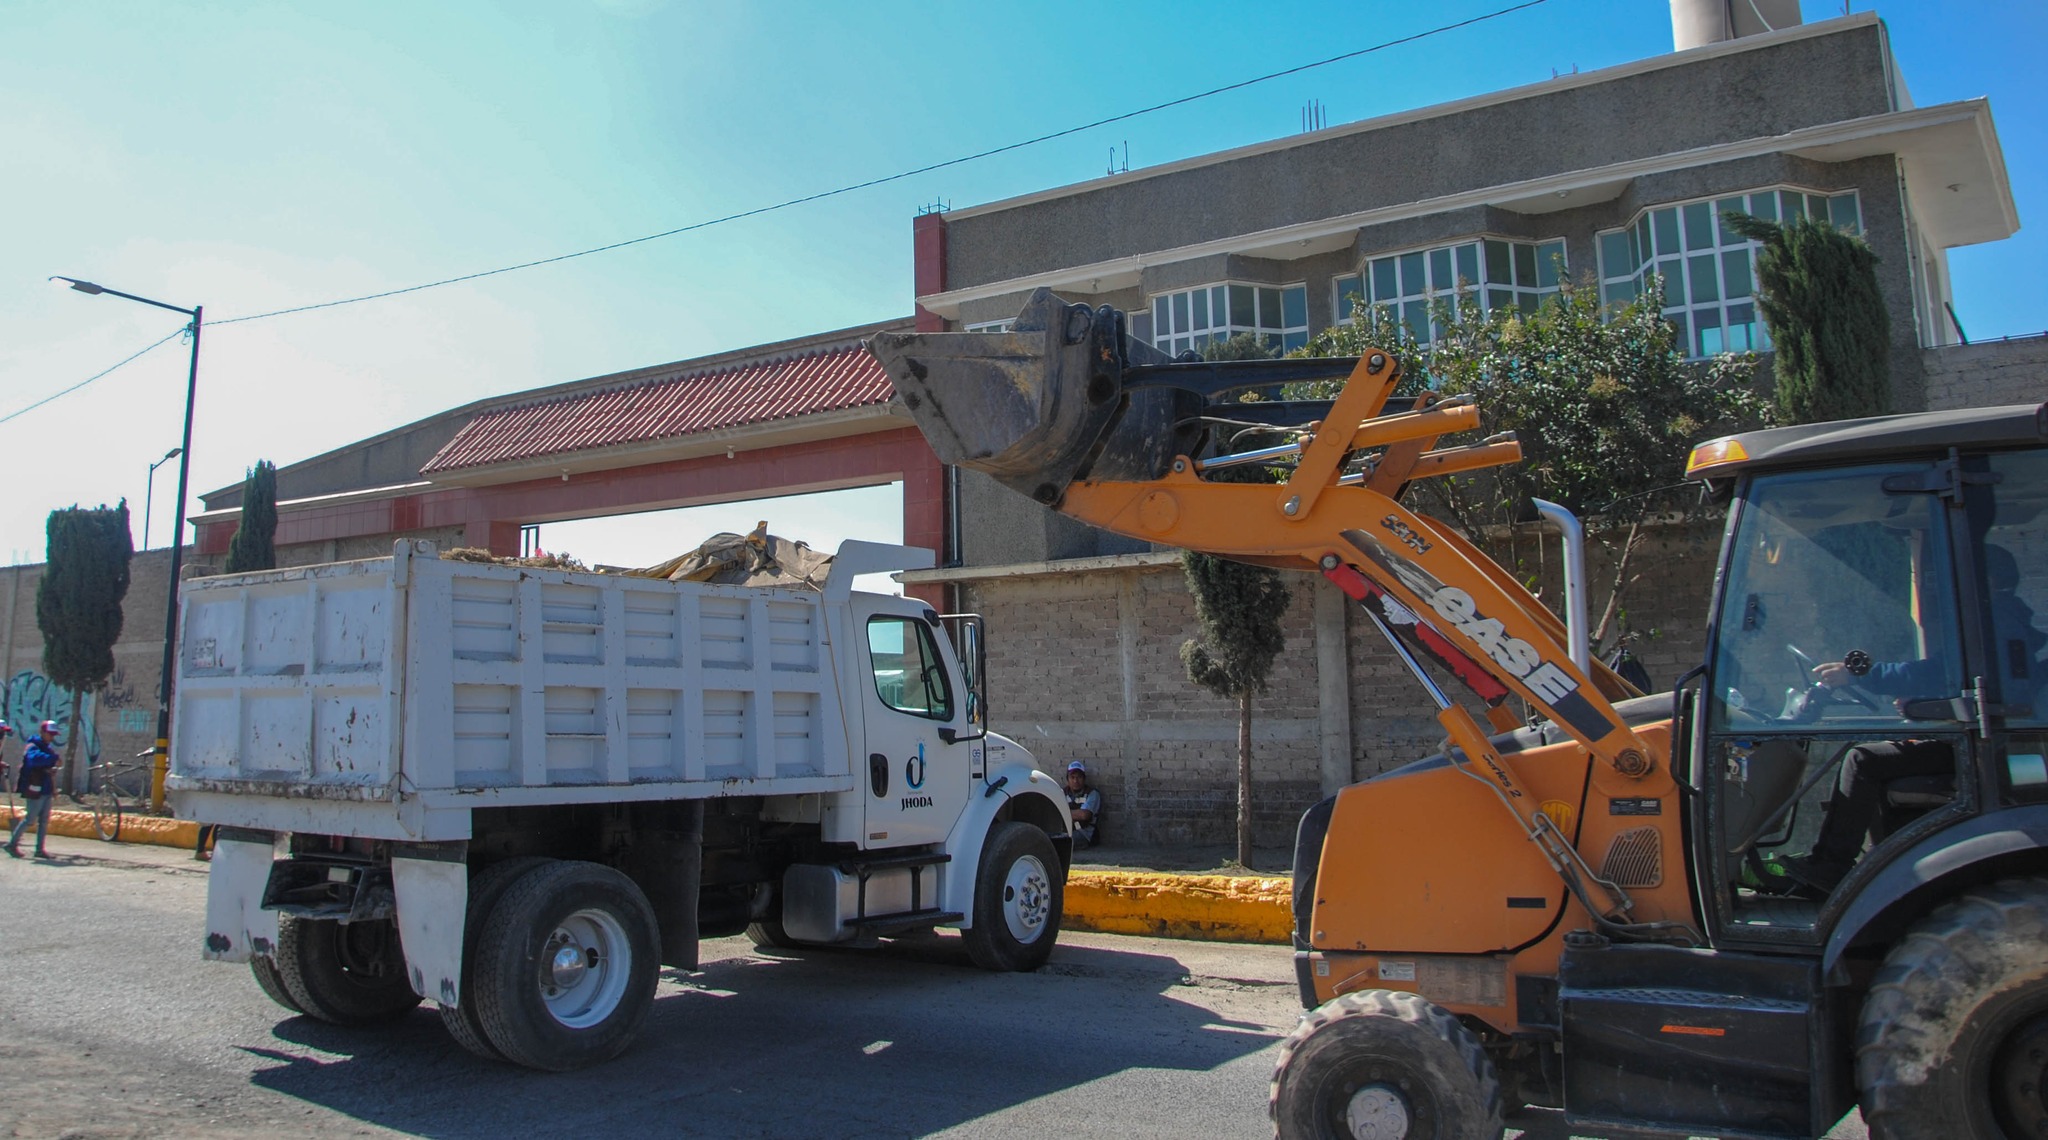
[1194, 893]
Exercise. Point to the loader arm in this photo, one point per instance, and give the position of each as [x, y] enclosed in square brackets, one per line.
[1065, 409]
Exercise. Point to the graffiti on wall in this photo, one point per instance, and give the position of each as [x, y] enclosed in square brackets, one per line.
[30, 698]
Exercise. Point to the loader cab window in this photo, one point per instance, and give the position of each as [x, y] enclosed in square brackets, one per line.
[1838, 613]
[910, 676]
[2015, 588]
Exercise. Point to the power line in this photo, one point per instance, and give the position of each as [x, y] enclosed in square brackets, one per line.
[89, 379]
[872, 182]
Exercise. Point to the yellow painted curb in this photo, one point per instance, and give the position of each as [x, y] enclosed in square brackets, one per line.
[162, 831]
[1211, 908]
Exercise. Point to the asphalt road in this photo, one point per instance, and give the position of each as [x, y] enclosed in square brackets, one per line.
[113, 1028]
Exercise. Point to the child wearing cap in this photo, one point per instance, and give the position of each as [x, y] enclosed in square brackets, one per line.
[1084, 802]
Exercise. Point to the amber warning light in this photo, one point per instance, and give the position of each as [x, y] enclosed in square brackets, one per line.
[1714, 453]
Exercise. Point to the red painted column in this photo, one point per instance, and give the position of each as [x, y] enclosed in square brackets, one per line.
[928, 245]
[924, 511]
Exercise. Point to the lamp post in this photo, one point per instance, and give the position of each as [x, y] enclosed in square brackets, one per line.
[160, 763]
[149, 491]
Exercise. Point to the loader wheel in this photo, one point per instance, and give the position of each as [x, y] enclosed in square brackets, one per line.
[1954, 1034]
[485, 890]
[1383, 1065]
[271, 982]
[343, 973]
[1018, 893]
[566, 966]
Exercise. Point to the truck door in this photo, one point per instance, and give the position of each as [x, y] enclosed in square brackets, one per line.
[914, 709]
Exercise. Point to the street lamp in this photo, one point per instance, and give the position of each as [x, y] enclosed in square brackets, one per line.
[160, 763]
[150, 490]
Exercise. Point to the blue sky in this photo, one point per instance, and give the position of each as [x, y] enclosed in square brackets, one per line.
[255, 156]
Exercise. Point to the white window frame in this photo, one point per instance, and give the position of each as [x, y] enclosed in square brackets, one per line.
[1709, 270]
[1497, 272]
[1187, 320]
[1003, 325]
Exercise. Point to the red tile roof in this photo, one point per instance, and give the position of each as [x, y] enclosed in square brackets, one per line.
[827, 381]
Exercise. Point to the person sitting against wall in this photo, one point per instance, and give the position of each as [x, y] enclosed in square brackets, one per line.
[1084, 803]
[1859, 808]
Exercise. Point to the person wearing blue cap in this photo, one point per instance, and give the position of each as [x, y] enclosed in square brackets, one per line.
[1084, 803]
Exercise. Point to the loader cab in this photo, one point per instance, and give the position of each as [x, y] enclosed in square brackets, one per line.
[1874, 669]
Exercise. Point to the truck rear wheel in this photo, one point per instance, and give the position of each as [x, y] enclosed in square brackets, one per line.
[566, 966]
[485, 890]
[343, 973]
[1018, 893]
[271, 982]
[1380, 1063]
[1954, 1035]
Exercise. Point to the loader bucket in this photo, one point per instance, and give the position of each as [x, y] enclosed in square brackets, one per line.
[1044, 403]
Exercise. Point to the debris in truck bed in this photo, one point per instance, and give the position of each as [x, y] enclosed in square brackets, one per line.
[536, 561]
[756, 559]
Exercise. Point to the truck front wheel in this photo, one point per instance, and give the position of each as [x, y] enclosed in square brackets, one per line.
[344, 973]
[1954, 1035]
[566, 966]
[1018, 893]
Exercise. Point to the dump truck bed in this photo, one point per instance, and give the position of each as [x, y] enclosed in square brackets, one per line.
[413, 680]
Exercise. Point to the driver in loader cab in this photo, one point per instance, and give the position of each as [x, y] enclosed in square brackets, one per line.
[1860, 807]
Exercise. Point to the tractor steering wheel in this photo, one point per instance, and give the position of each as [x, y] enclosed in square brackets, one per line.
[1856, 661]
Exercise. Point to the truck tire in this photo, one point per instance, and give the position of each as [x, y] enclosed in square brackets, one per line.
[768, 934]
[1018, 894]
[343, 973]
[489, 885]
[566, 966]
[1383, 1063]
[1954, 1034]
[271, 982]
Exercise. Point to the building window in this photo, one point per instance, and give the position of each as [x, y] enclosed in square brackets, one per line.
[1709, 270]
[1193, 319]
[992, 326]
[1492, 272]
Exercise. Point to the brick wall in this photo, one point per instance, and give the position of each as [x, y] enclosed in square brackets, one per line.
[1086, 665]
[2011, 371]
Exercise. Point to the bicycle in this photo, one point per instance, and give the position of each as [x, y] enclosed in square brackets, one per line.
[104, 798]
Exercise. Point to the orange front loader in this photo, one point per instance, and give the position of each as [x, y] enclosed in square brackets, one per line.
[1556, 914]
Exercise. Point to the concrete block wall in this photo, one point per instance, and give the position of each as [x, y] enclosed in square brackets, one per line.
[2010, 371]
[1085, 665]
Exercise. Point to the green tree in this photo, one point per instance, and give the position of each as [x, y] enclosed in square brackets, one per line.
[78, 601]
[1239, 608]
[1817, 289]
[254, 545]
[1601, 398]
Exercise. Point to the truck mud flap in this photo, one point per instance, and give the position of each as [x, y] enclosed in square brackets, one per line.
[432, 882]
[237, 926]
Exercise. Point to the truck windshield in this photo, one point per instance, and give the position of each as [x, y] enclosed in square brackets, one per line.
[909, 673]
[1837, 605]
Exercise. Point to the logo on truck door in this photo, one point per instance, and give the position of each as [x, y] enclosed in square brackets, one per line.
[913, 768]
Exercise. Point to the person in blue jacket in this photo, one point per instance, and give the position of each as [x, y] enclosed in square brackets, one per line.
[38, 786]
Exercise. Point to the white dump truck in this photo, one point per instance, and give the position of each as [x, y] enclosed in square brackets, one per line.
[517, 792]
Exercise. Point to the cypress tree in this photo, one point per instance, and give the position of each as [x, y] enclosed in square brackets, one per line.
[78, 601]
[1817, 290]
[1239, 607]
[254, 546]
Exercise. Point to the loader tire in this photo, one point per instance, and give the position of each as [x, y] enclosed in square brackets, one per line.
[566, 966]
[489, 885]
[344, 973]
[271, 982]
[1953, 1039]
[1018, 893]
[1382, 1062]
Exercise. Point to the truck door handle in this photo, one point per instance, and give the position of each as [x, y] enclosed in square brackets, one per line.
[878, 773]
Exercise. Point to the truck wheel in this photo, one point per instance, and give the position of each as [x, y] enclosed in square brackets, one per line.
[566, 966]
[1954, 1034]
[1018, 892]
[768, 934]
[271, 982]
[485, 890]
[1383, 1063]
[343, 973]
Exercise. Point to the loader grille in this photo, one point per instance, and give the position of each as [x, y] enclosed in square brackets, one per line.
[1635, 859]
